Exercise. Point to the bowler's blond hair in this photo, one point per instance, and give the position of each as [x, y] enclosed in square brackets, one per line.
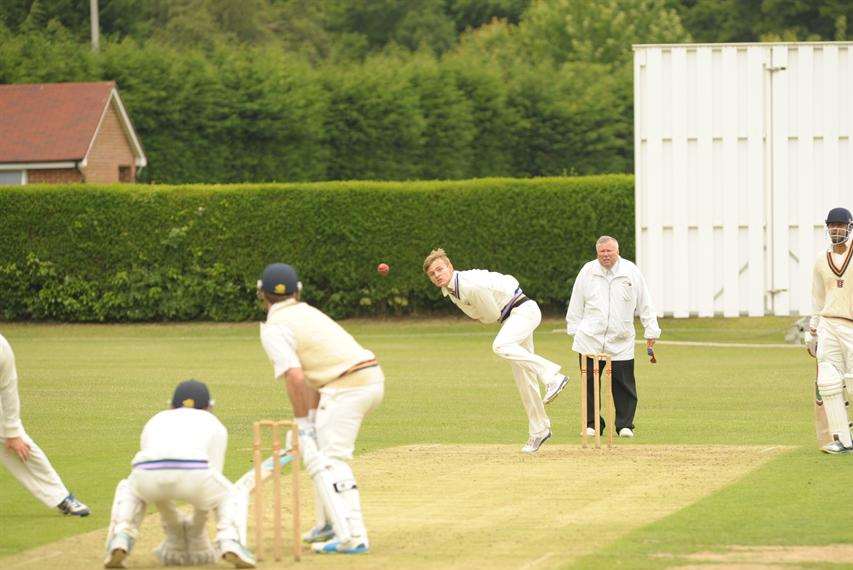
[433, 256]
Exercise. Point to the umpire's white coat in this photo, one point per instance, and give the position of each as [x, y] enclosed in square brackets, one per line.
[36, 474]
[601, 310]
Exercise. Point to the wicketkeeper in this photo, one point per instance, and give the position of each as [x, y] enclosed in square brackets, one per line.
[832, 327]
[332, 383]
[182, 453]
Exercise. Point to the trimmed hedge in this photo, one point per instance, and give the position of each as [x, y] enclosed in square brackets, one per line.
[150, 253]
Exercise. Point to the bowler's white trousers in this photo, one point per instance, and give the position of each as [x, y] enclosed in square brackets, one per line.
[515, 343]
[37, 475]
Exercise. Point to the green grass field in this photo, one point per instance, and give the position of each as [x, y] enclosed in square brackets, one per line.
[87, 391]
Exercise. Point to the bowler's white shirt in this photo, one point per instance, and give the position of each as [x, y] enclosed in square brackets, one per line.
[601, 310]
[481, 294]
[184, 433]
[10, 404]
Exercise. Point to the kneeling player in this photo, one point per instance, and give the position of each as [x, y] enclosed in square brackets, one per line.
[181, 457]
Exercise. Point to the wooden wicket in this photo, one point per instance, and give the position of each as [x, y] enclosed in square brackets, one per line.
[275, 428]
[609, 407]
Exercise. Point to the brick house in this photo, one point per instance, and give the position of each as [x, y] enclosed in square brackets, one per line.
[66, 132]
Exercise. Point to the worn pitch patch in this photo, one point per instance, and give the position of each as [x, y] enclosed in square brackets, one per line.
[464, 506]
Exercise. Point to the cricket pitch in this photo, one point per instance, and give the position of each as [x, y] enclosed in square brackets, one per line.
[486, 506]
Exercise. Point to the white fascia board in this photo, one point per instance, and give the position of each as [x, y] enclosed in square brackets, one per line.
[140, 160]
[37, 165]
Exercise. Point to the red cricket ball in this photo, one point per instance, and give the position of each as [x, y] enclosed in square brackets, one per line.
[383, 269]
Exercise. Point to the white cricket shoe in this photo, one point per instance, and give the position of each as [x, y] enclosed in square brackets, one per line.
[235, 553]
[534, 442]
[836, 448]
[322, 532]
[117, 550]
[554, 388]
[590, 432]
[626, 432]
[353, 546]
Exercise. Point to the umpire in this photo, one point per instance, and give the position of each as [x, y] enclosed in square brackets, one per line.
[607, 293]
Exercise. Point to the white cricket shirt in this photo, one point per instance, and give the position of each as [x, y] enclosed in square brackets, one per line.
[481, 294]
[601, 309]
[184, 434]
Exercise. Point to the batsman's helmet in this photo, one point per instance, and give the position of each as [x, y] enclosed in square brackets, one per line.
[191, 394]
[839, 234]
[279, 279]
[839, 216]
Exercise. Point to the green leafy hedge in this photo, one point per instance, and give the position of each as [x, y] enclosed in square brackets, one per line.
[146, 253]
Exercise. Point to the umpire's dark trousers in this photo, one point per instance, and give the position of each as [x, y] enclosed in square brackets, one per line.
[624, 393]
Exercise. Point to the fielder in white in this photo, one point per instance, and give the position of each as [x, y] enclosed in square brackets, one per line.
[332, 383]
[20, 454]
[491, 297]
[832, 324]
[182, 453]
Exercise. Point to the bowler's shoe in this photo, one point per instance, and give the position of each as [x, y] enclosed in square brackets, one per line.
[554, 389]
[535, 442]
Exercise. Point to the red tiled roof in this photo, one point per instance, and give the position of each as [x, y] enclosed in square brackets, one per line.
[46, 122]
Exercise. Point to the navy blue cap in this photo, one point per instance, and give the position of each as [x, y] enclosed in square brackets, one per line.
[191, 394]
[279, 279]
[839, 216]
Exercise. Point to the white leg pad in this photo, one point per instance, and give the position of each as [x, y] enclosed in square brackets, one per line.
[127, 512]
[345, 485]
[240, 505]
[831, 386]
[321, 470]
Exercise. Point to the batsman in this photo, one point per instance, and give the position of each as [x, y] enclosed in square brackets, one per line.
[831, 327]
[332, 383]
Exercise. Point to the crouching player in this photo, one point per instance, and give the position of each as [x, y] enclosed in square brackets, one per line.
[182, 453]
[332, 383]
[832, 323]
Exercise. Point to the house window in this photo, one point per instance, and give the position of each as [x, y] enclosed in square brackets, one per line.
[124, 174]
[13, 177]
